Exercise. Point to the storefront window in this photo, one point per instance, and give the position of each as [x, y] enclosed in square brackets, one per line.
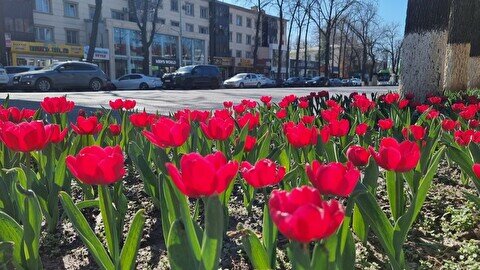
[120, 38]
[187, 47]
[165, 46]
[135, 43]
[193, 51]
[120, 67]
[199, 51]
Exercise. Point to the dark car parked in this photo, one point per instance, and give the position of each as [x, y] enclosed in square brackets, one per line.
[189, 77]
[294, 81]
[63, 75]
[317, 81]
[335, 82]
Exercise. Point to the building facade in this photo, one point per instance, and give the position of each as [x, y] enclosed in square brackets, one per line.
[187, 32]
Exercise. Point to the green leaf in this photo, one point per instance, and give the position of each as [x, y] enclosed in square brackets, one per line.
[180, 254]
[299, 256]
[319, 257]
[269, 236]
[108, 218]
[11, 231]
[213, 234]
[473, 198]
[255, 251]
[86, 233]
[358, 225]
[132, 243]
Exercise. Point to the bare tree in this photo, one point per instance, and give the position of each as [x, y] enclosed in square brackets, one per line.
[392, 45]
[293, 15]
[260, 5]
[145, 12]
[326, 14]
[280, 4]
[300, 20]
[424, 47]
[305, 42]
[94, 32]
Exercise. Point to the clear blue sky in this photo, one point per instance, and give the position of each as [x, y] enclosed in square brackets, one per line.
[393, 11]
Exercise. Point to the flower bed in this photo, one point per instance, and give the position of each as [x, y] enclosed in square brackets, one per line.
[316, 165]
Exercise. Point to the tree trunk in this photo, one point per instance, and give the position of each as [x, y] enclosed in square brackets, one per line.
[474, 60]
[423, 52]
[94, 33]
[340, 52]
[319, 50]
[145, 53]
[290, 27]
[297, 53]
[332, 58]
[328, 31]
[364, 64]
[305, 45]
[458, 46]
[257, 37]
[280, 41]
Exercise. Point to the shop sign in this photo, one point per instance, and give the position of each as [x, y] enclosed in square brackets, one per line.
[46, 49]
[99, 54]
[8, 40]
[222, 61]
[245, 62]
[165, 62]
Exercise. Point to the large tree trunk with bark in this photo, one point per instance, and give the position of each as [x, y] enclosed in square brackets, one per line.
[458, 46]
[474, 60]
[280, 41]
[257, 36]
[94, 32]
[423, 52]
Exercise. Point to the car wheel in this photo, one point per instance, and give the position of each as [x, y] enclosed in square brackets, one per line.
[43, 84]
[241, 85]
[259, 85]
[95, 85]
[143, 86]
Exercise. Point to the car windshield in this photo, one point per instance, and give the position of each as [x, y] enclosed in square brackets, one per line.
[52, 66]
[316, 78]
[292, 79]
[185, 69]
[239, 76]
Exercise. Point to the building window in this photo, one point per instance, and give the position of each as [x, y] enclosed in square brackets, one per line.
[230, 53]
[43, 6]
[248, 54]
[174, 23]
[44, 34]
[174, 5]
[239, 20]
[72, 36]
[118, 15]
[161, 21]
[230, 36]
[70, 9]
[204, 12]
[249, 39]
[239, 54]
[230, 18]
[203, 30]
[239, 37]
[189, 9]
[9, 24]
[249, 22]
[189, 27]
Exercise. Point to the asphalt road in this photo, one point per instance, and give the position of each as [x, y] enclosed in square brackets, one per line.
[165, 101]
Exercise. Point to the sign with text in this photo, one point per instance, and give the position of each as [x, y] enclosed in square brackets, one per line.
[46, 49]
[164, 62]
[99, 54]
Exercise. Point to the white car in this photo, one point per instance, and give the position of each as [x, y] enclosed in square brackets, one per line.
[14, 70]
[355, 82]
[265, 81]
[137, 81]
[3, 78]
[242, 80]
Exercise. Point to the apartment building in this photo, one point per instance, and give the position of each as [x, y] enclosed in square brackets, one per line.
[187, 32]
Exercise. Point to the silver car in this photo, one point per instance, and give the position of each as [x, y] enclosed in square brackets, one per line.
[14, 70]
[137, 81]
[63, 76]
[242, 80]
[3, 78]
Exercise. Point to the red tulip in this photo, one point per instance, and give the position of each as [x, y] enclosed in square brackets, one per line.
[434, 100]
[218, 128]
[339, 128]
[301, 215]
[249, 143]
[249, 103]
[422, 108]
[457, 107]
[469, 112]
[227, 104]
[203, 176]
[331, 114]
[449, 124]
[266, 99]
[303, 104]
[86, 126]
[323, 93]
[129, 104]
[263, 174]
[239, 109]
[476, 170]
[332, 104]
[95, 165]
[362, 103]
[281, 114]
[385, 124]
[391, 98]
[395, 156]
[325, 134]
[410, 96]
[358, 155]
[474, 123]
[308, 119]
[476, 137]
[333, 178]
[25, 136]
[115, 129]
[53, 105]
[141, 120]
[166, 132]
[16, 115]
[251, 119]
[463, 137]
[432, 114]
[418, 132]
[299, 135]
[195, 115]
[57, 135]
[402, 104]
[116, 104]
[361, 129]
